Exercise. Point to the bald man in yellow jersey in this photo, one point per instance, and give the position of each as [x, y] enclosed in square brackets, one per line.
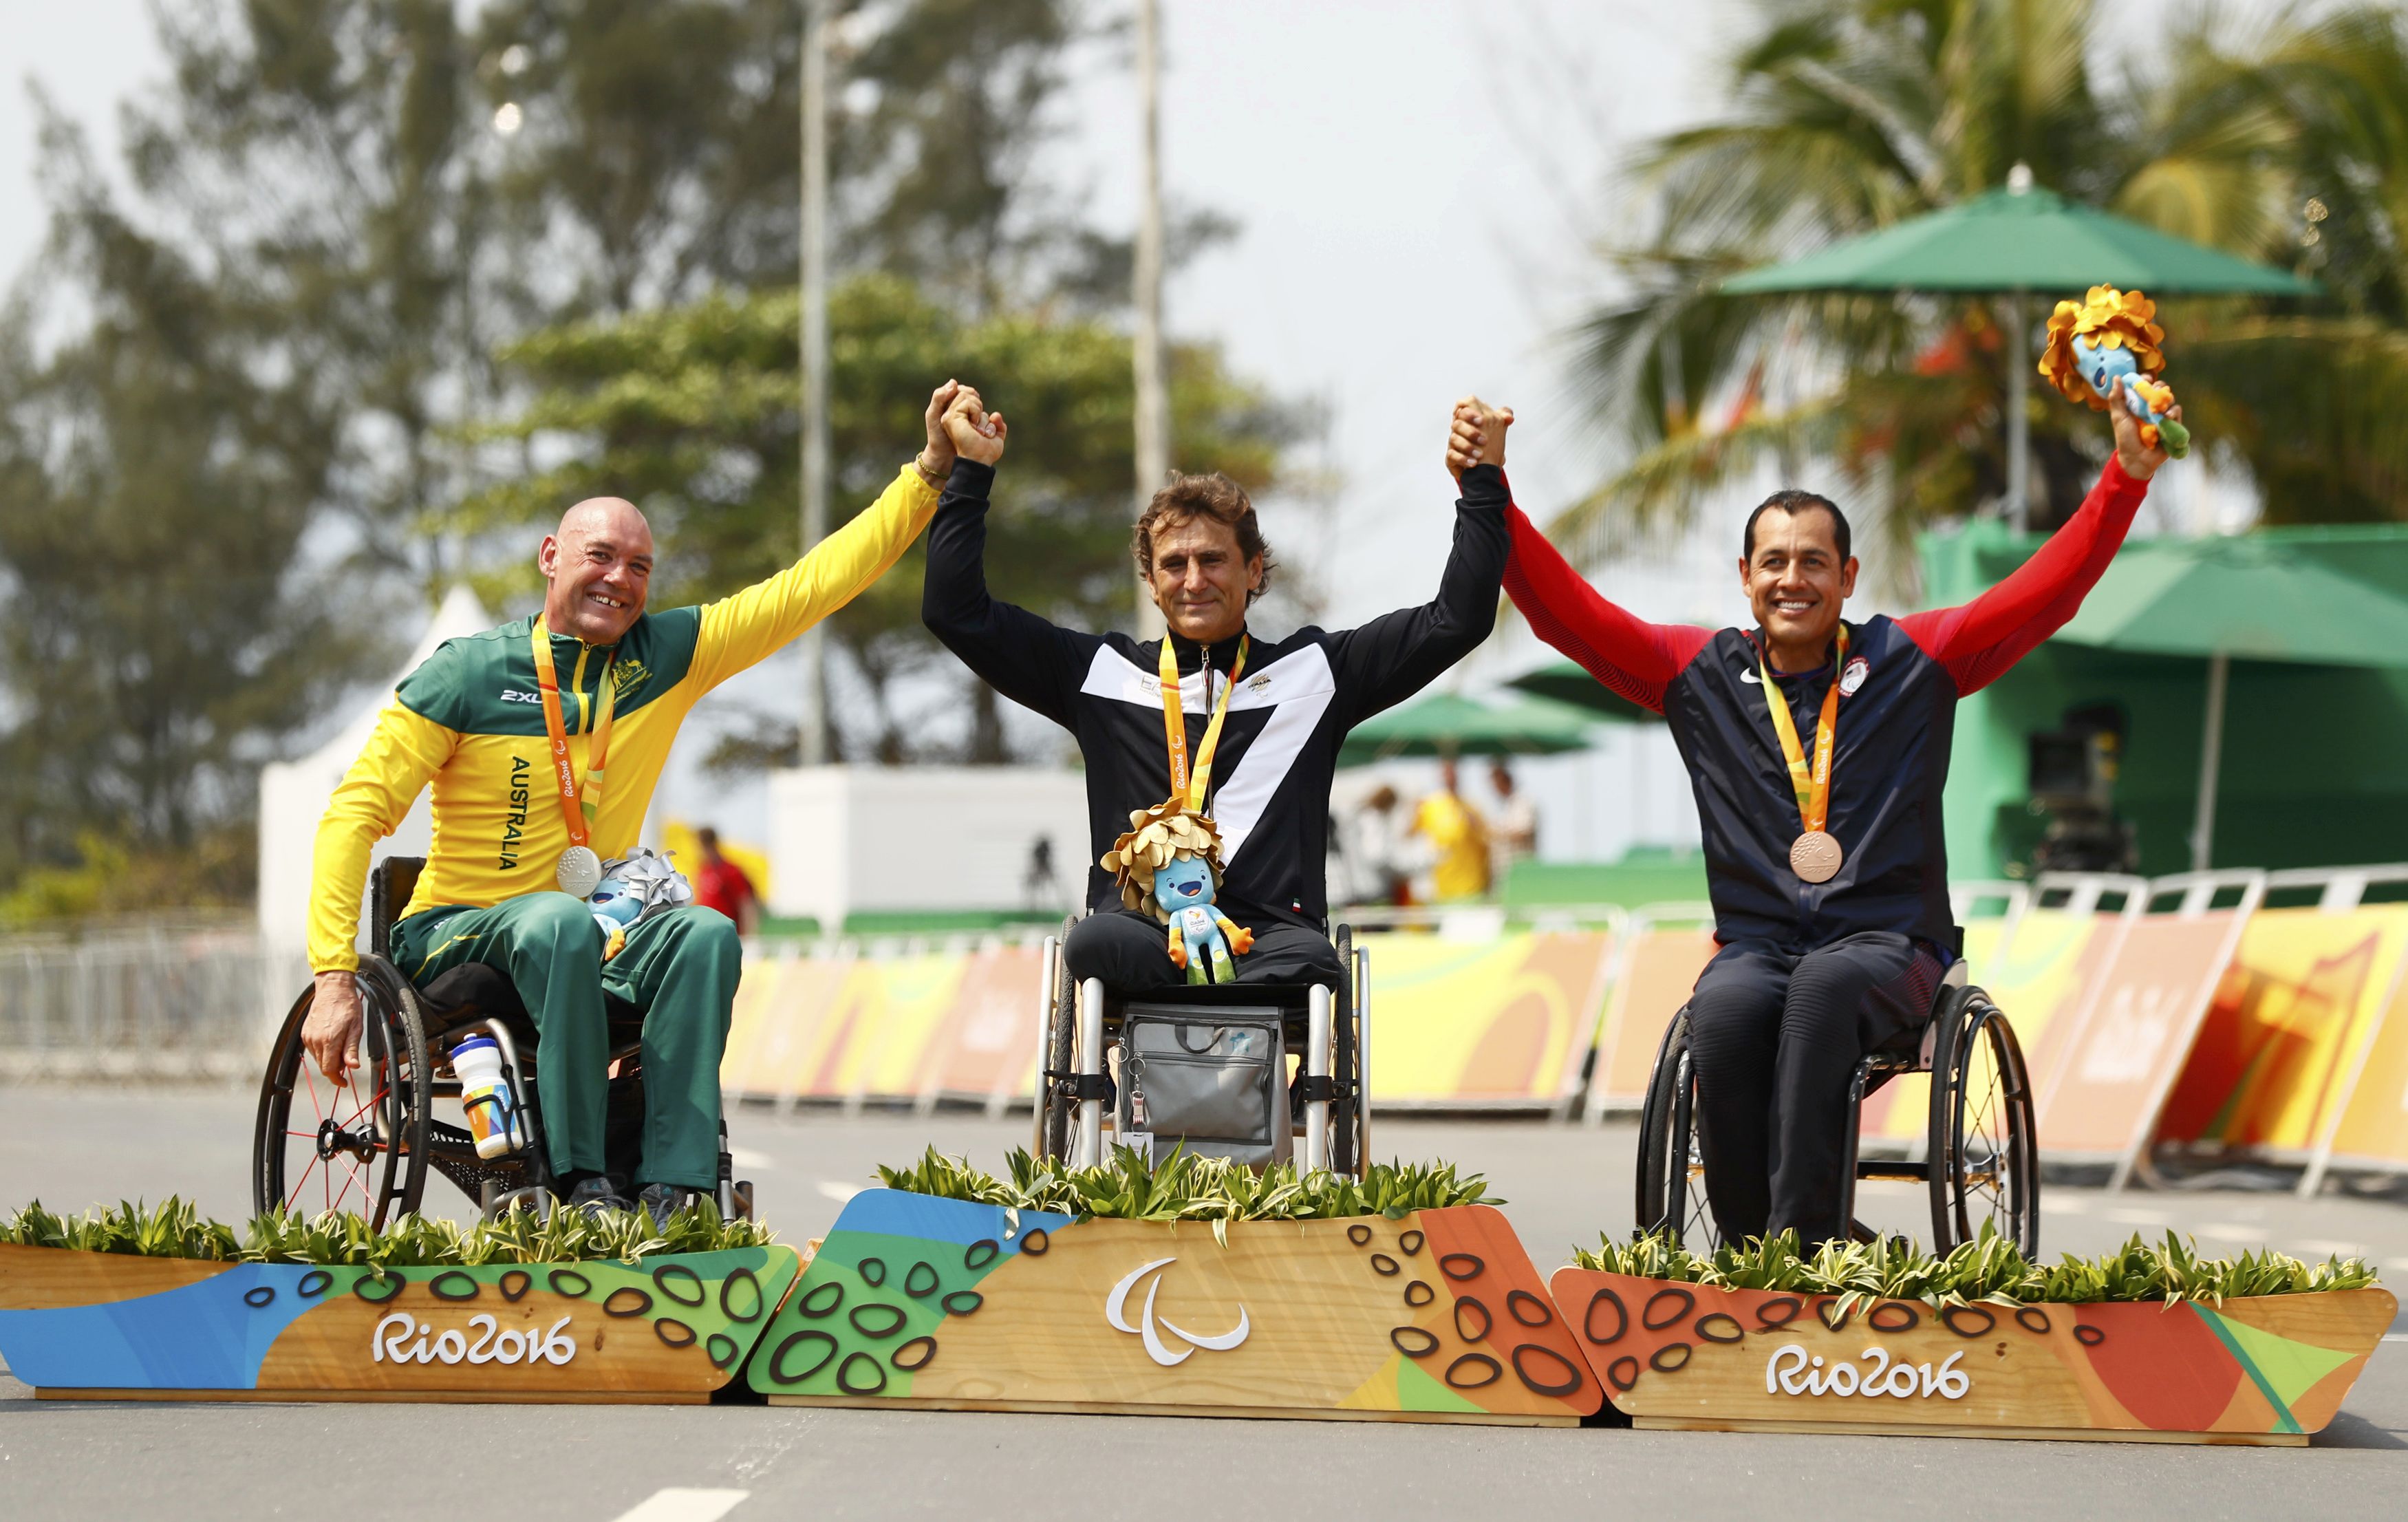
[544, 739]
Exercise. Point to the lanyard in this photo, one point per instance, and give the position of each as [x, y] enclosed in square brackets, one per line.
[1174, 724]
[1813, 789]
[578, 806]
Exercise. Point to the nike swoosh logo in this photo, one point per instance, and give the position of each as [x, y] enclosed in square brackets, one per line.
[1750, 678]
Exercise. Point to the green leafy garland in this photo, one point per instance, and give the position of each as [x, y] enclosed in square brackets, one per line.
[1184, 1187]
[1990, 1268]
[174, 1228]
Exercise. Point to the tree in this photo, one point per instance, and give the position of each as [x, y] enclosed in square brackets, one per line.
[160, 625]
[1855, 115]
[690, 411]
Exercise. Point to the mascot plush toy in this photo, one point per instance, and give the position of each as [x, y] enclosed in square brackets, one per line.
[2108, 339]
[635, 888]
[1169, 865]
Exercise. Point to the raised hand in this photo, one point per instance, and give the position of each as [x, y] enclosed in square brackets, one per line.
[1476, 436]
[936, 461]
[2140, 460]
[977, 434]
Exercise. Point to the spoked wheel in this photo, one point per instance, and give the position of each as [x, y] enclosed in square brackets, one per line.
[1982, 1143]
[1671, 1162]
[1054, 1109]
[359, 1145]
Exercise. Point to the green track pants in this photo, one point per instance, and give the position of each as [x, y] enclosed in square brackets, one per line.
[679, 968]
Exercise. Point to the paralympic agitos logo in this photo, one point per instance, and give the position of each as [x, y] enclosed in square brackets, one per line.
[1150, 1328]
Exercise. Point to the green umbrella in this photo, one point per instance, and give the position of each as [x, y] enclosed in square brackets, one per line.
[2009, 242]
[2217, 599]
[1567, 682]
[1446, 725]
[2006, 240]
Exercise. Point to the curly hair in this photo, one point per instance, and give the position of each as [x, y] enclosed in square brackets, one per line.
[1190, 497]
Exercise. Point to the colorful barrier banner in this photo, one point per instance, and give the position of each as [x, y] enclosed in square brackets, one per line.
[2373, 1127]
[1507, 1020]
[1659, 969]
[2273, 1058]
[1502, 1021]
[2124, 1054]
[2039, 975]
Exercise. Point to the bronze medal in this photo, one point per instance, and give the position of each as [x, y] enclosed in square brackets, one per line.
[1815, 854]
[1816, 857]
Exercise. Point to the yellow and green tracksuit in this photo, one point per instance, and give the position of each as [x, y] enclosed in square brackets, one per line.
[470, 721]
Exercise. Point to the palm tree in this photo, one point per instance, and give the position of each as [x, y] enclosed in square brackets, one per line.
[1850, 115]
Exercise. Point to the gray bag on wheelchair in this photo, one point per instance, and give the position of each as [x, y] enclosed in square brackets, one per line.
[1213, 1079]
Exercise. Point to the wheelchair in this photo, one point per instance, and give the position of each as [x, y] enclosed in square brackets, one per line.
[1981, 1158]
[1080, 1030]
[365, 1145]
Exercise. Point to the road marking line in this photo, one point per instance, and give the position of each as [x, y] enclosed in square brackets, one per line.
[745, 1158]
[680, 1503]
[841, 1193]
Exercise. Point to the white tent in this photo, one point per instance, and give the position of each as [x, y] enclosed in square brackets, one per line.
[293, 794]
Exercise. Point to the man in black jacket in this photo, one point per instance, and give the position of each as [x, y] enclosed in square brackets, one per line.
[1200, 552]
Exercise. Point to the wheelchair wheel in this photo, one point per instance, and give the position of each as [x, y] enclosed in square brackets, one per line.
[1982, 1143]
[1054, 1109]
[1671, 1164]
[1346, 1140]
[359, 1145]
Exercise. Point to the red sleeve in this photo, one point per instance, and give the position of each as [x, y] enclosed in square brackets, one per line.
[1978, 641]
[1634, 658]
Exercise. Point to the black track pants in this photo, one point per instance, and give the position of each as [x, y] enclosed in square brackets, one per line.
[1131, 952]
[1775, 1036]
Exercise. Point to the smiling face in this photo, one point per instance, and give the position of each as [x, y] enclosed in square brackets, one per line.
[1796, 581]
[1200, 579]
[1184, 882]
[599, 562]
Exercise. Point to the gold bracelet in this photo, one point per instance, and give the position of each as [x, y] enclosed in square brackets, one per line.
[919, 463]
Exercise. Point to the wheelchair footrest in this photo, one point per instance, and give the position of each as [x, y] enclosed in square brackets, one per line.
[1876, 1167]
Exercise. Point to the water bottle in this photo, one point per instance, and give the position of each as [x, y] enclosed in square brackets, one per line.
[485, 1094]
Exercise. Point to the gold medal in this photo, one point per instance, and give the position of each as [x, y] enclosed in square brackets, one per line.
[1816, 857]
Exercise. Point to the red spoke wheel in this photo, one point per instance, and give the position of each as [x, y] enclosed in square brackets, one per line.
[360, 1145]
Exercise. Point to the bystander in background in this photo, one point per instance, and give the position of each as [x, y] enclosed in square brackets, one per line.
[721, 885]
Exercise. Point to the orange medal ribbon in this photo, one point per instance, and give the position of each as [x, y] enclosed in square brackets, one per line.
[581, 869]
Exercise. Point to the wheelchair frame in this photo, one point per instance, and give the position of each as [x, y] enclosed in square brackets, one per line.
[1671, 1167]
[390, 1137]
[1079, 1024]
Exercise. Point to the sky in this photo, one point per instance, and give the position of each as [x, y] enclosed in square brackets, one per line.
[1420, 186]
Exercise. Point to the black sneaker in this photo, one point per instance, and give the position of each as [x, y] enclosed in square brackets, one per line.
[593, 1196]
[666, 1200]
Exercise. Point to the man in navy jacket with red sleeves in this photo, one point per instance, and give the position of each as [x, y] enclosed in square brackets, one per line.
[1821, 819]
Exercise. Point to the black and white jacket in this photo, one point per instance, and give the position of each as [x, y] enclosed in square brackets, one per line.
[1295, 702]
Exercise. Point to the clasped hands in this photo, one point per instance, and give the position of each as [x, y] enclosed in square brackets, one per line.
[958, 424]
[1476, 436]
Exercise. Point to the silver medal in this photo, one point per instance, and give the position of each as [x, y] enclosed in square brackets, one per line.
[579, 872]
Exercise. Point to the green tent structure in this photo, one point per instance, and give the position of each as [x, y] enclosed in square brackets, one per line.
[1565, 681]
[2012, 242]
[1449, 724]
[2264, 681]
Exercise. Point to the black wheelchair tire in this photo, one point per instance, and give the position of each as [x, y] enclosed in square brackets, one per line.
[1061, 1044]
[394, 1035]
[1969, 1024]
[1347, 1143]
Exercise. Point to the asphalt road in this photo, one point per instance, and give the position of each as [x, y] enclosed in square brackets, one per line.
[74, 1146]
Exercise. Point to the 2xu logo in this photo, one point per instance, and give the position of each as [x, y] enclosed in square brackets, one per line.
[1791, 1371]
[453, 1345]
